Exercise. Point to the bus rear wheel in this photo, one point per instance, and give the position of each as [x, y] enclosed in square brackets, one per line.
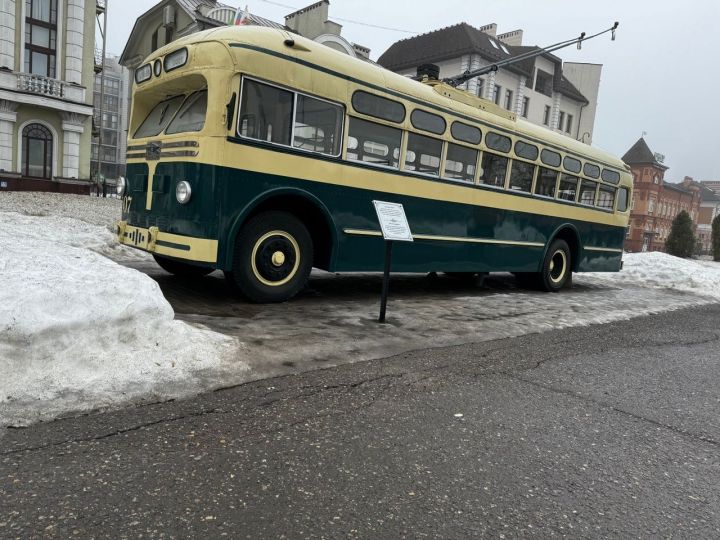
[272, 259]
[181, 269]
[556, 270]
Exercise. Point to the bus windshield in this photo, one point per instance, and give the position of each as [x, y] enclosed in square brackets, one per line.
[191, 116]
[159, 117]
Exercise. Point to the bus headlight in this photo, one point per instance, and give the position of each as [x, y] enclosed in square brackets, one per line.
[183, 192]
[121, 186]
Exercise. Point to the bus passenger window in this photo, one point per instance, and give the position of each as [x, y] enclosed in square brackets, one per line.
[526, 150]
[521, 176]
[545, 185]
[622, 200]
[572, 164]
[549, 157]
[498, 142]
[373, 143]
[606, 197]
[465, 133]
[318, 125]
[460, 163]
[494, 169]
[587, 192]
[265, 113]
[568, 187]
[426, 158]
[611, 177]
[591, 170]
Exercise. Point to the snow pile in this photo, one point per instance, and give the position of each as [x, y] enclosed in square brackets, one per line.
[78, 331]
[662, 271]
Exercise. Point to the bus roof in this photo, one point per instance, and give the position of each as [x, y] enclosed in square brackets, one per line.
[240, 39]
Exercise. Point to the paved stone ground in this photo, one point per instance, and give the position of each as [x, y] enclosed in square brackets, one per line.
[609, 430]
[334, 320]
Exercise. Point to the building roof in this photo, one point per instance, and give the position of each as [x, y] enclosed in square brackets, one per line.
[461, 39]
[640, 154]
[448, 42]
[677, 187]
[708, 195]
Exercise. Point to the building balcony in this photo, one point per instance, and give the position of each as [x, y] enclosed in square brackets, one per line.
[36, 90]
[37, 84]
[99, 65]
[100, 6]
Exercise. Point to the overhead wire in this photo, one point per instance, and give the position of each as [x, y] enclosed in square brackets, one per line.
[351, 21]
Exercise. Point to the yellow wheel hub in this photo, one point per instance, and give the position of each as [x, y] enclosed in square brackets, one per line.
[558, 259]
[275, 258]
[278, 258]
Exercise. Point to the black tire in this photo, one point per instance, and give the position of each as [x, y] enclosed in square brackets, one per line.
[556, 270]
[180, 268]
[273, 257]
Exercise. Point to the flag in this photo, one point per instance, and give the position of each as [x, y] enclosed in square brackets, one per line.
[242, 17]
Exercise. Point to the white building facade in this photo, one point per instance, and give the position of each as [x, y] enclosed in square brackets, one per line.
[46, 101]
[542, 90]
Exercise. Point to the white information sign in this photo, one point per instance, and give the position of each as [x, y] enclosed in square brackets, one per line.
[393, 222]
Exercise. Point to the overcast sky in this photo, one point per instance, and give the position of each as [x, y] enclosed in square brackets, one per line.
[660, 76]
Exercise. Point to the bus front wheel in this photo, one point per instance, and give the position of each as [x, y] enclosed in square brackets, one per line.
[556, 270]
[272, 258]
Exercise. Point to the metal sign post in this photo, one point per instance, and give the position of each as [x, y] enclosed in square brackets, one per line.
[394, 225]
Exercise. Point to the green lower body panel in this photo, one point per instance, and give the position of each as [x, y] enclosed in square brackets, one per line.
[449, 236]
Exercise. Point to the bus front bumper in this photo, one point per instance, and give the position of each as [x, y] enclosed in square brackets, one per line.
[171, 245]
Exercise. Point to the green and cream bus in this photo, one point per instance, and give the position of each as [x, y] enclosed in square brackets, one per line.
[259, 153]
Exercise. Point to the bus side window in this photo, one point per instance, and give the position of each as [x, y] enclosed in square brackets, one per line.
[373, 143]
[606, 197]
[428, 150]
[460, 163]
[521, 176]
[318, 125]
[494, 169]
[622, 200]
[587, 192]
[545, 185]
[568, 187]
[265, 113]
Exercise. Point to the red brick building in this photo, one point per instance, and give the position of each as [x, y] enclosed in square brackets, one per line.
[655, 202]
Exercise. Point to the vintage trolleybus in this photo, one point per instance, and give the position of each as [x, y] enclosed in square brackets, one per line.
[259, 153]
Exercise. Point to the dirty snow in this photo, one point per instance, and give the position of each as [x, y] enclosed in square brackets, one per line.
[79, 331]
[662, 271]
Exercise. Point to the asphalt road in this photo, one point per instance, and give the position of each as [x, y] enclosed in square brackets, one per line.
[597, 431]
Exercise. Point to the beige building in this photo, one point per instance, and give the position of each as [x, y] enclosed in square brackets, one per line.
[169, 20]
[543, 90]
[46, 97]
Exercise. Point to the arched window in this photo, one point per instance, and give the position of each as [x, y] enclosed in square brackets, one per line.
[37, 151]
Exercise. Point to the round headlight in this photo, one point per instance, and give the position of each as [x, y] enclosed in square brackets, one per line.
[157, 67]
[183, 192]
[121, 186]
